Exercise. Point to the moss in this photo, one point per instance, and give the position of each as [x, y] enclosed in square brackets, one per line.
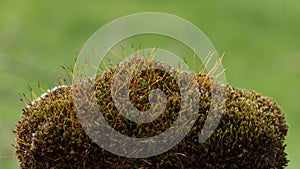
[251, 132]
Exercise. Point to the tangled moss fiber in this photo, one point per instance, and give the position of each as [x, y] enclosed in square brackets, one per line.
[251, 132]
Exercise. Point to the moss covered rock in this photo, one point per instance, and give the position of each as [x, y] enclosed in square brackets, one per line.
[251, 132]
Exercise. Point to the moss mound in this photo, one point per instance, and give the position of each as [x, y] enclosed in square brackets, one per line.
[251, 132]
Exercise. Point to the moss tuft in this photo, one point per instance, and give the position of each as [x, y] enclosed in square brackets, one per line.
[251, 132]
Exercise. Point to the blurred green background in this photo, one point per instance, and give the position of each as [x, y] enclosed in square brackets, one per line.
[260, 38]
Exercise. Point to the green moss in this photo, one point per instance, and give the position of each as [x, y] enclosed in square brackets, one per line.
[251, 132]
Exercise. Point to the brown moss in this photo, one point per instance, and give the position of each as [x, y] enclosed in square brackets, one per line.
[251, 132]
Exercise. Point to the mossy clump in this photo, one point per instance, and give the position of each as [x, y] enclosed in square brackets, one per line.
[250, 134]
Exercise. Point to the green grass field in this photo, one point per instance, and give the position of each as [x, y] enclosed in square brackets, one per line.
[260, 38]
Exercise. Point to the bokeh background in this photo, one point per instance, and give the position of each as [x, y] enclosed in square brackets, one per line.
[261, 40]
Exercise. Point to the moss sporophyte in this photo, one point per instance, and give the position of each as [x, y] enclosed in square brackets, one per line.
[250, 134]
